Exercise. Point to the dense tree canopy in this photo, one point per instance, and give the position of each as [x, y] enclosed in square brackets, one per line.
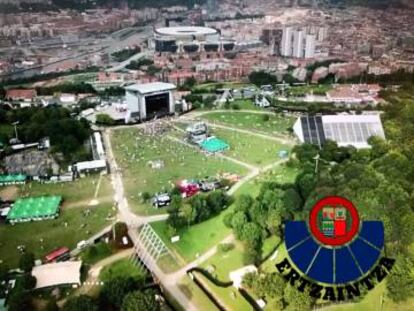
[67, 135]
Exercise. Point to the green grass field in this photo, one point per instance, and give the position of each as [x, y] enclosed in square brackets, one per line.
[319, 89]
[248, 148]
[67, 230]
[277, 124]
[74, 224]
[196, 239]
[196, 295]
[79, 192]
[121, 268]
[133, 151]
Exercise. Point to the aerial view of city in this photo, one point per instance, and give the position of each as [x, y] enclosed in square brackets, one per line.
[211, 155]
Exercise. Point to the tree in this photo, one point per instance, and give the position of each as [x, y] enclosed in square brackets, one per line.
[80, 303]
[139, 301]
[217, 201]
[244, 202]
[26, 262]
[51, 305]
[104, 119]
[306, 183]
[252, 232]
[297, 301]
[262, 78]
[292, 200]
[4, 271]
[273, 222]
[400, 282]
[27, 281]
[238, 222]
[114, 291]
[20, 300]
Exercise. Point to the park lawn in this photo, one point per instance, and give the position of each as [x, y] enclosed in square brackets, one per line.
[319, 89]
[67, 230]
[249, 148]
[196, 295]
[372, 301]
[133, 151]
[277, 123]
[196, 239]
[224, 262]
[97, 252]
[213, 85]
[281, 174]
[244, 104]
[229, 296]
[121, 268]
[79, 192]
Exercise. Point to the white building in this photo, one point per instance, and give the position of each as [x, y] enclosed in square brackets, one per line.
[150, 100]
[345, 130]
[297, 43]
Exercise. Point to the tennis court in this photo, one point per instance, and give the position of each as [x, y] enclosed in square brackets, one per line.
[35, 208]
[213, 144]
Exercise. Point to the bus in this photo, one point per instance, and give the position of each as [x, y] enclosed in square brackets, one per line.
[60, 254]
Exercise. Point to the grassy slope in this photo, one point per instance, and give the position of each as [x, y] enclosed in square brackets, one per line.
[55, 233]
[277, 124]
[133, 151]
[251, 149]
[121, 268]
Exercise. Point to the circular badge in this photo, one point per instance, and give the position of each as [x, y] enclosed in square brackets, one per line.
[334, 221]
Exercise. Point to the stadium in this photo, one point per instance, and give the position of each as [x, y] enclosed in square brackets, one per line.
[190, 39]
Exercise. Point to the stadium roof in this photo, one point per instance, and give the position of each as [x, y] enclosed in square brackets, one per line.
[346, 130]
[153, 87]
[4, 179]
[32, 208]
[186, 31]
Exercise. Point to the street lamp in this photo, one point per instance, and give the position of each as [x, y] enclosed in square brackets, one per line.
[316, 158]
[15, 129]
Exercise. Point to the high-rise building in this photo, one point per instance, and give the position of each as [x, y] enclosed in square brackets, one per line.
[212, 6]
[287, 42]
[297, 43]
[309, 46]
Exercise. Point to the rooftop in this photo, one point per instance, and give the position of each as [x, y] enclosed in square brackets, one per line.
[153, 87]
[30, 208]
[59, 273]
[186, 31]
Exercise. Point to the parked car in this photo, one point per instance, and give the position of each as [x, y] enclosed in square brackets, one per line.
[161, 200]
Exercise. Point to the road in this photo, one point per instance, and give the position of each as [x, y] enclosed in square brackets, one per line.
[123, 64]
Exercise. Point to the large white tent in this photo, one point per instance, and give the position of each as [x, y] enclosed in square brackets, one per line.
[345, 130]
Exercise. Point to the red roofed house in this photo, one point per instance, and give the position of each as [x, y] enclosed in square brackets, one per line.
[25, 95]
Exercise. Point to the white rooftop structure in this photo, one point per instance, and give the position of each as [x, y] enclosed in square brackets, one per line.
[59, 273]
[149, 100]
[236, 276]
[152, 87]
[185, 31]
[345, 130]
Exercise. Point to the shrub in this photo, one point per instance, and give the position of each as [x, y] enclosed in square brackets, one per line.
[225, 247]
[235, 107]
[266, 117]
